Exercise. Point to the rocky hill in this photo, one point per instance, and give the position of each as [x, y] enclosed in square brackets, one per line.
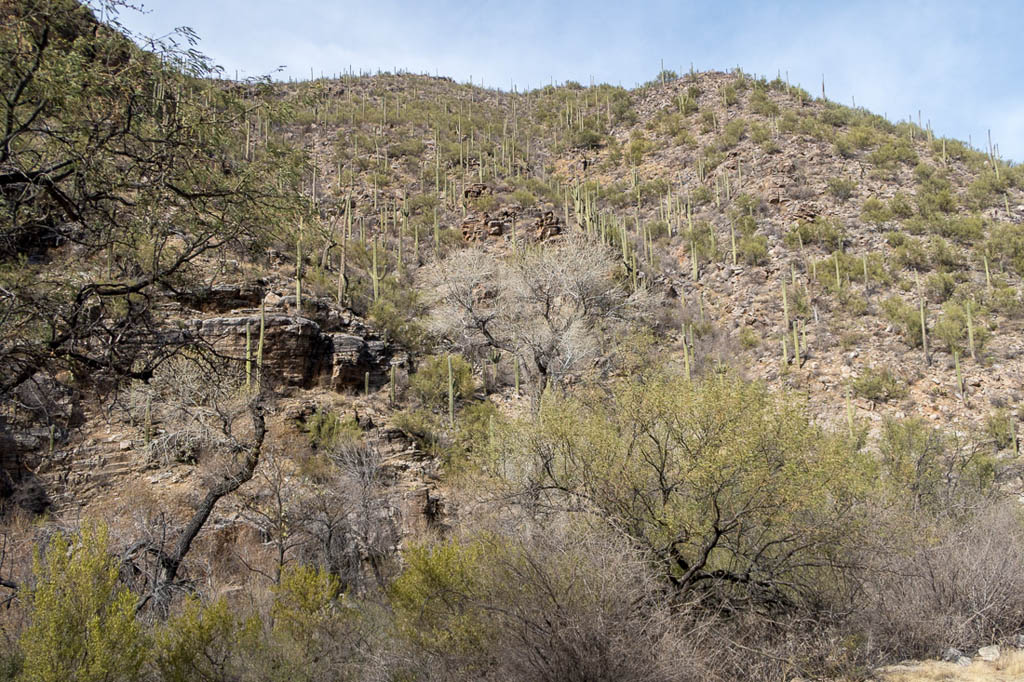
[392, 289]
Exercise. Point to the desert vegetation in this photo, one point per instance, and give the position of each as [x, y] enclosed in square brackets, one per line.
[386, 377]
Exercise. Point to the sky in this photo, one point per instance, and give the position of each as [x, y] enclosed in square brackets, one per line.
[959, 64]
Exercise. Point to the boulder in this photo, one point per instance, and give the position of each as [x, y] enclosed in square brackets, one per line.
[989, 653]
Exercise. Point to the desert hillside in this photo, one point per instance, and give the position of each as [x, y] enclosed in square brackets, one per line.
[391, 377]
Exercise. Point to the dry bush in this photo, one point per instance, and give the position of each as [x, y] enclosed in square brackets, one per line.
[965, 590]
[559, 604]
[552, 306]
[189, 407]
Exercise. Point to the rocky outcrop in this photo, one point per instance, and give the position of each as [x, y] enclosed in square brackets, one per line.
[297, 350]
[222, 298]
[508, 221]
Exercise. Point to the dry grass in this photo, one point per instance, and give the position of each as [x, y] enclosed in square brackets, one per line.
[1007, 668]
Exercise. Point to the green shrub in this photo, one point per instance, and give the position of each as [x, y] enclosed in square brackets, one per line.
[761, 104]
[732, 134]
[749, 338]
[913, 253]
[1006, 241]
[1006, 301]
[900, 206]
[892, 153]
[987, 191]
[326, 429]
[875, 211]
[1001, 427]
[939, 286]
[729, 95]
[879, 385]
[965, 229]
[759, 133]
[942, 254]
[841, 188]
[586, 139]
[82, 622]
[205, 642]
[753, 249]
[823, 231]
[951, 328]
[638, 147]
[423, 425]
[430, 382]
[906, 317]
[399, 311]
[524, 198]
[701, 451]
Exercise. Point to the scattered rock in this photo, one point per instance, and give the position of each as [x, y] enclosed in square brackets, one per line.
[989, 653]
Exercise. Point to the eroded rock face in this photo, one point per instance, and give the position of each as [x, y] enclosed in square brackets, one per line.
[222, 298]
[298, 352]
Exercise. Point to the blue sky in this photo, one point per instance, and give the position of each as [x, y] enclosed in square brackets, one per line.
[959, 63]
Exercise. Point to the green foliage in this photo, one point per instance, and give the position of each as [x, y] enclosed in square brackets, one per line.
[430, 382]
[1006, 301]
[732, 134]
[939, 286]
[399, 311]
[911, 253]
[935, 194]
[729, 96]
[82, 621]
[638, 147]
[587, 138]
[900, 206]
[142, 161]
[715, 479]
[749, 338]
[875, 211]
[761, 104]
[423, 425]
[851, 267]
[943, 255]
[951, 327]
[963, 229]
[857, 138]
[753, 249]
[205, 642]
[475, 425]
[433, 598]
[1001, 427]
[879, 385]
[1006, 244]
[987, 190]
[906, 317]
[326, 430]
[842, 188]
[925, 469]
[891, 153]
[826, 232]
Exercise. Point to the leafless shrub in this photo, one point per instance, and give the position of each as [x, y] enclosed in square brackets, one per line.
[552, 307]
[188, 408]
[965, 589]
[348, 522]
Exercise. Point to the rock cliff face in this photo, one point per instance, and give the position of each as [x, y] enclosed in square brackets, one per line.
[322, 348]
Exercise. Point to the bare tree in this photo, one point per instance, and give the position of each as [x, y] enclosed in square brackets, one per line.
[350, 521]
[204, 412]
[551, 307]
